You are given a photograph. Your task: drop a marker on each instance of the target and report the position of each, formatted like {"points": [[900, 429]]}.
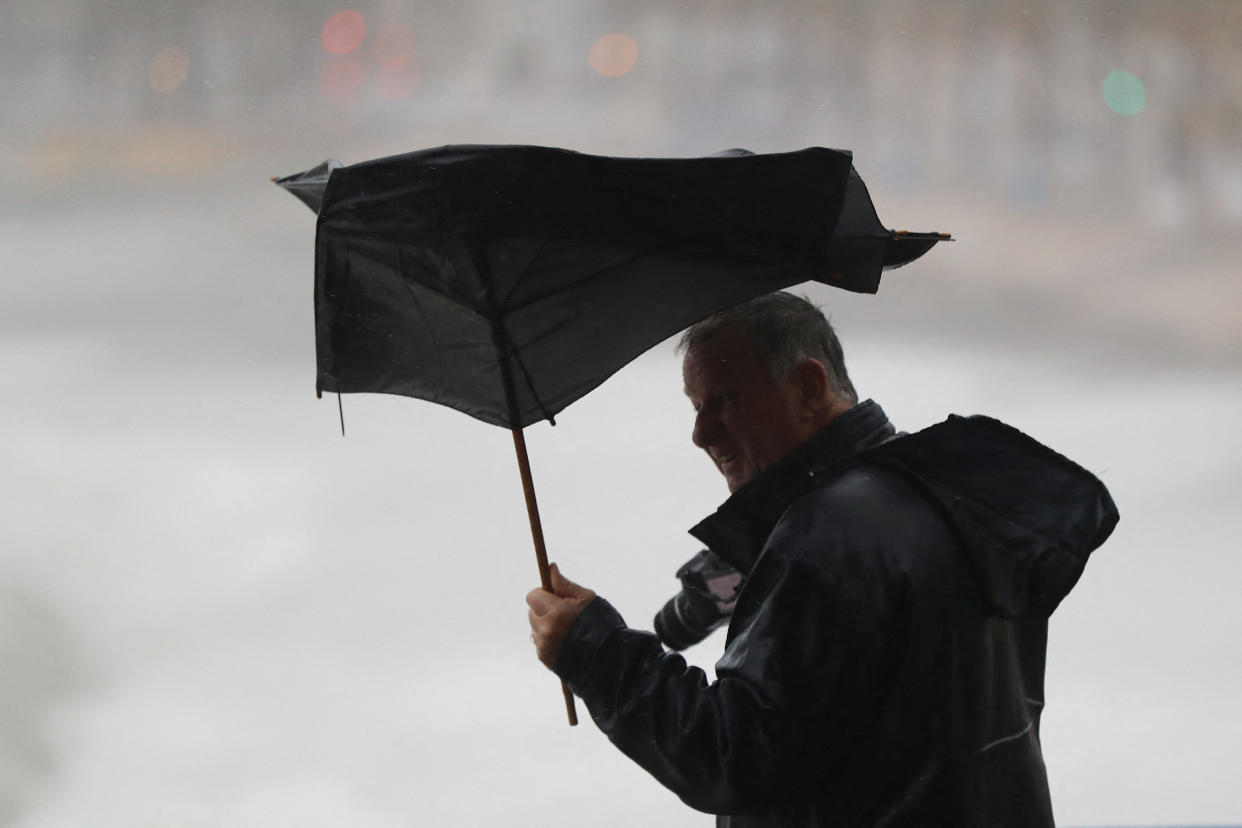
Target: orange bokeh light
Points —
{"points": [[613, 54], [340, 78], [343, 32], [393, 47], [168, 69]]}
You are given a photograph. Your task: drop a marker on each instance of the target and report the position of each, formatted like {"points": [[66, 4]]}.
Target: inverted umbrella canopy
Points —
{"points": [[508, 281]]}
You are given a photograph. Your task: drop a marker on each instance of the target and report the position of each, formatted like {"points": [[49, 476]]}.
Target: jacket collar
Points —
{"points": [[738, 529]]}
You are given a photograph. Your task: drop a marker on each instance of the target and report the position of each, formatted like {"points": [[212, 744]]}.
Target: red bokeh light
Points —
{"points": [[393, 47], [340, 78], [343, 32]]}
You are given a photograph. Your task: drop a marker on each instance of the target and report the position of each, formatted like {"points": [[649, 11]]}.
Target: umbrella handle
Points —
{"points": [[541, 552]]}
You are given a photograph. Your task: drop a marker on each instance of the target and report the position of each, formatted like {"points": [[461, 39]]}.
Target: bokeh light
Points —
{"points": [[1124, 93], [340, 78], [168, 69], [613, 54], [393, 47], [343, 32]]}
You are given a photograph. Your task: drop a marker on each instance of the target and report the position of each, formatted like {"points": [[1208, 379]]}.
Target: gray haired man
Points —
{"points": [[884, 660]]}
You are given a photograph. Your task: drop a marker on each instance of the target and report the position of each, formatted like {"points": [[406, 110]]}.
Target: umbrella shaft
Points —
{"points": [[532, 509], [541, 552]]}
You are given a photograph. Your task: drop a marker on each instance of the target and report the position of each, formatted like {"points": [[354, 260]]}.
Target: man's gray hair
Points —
{"points": [[782, 329]]}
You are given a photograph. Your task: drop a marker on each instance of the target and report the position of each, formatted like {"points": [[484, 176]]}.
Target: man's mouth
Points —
{"points": [[732, 469]]}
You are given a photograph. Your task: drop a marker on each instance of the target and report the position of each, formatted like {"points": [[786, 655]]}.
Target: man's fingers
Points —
{"points": [[547, 627], [540, 601], [552, 614], [566, 588], [563, 586]]}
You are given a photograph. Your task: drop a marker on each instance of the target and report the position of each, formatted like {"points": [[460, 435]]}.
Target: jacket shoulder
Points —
{"points": [[863, 511]]}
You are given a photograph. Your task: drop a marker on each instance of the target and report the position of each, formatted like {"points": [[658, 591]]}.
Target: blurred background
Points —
{"points": [[215, 611]]}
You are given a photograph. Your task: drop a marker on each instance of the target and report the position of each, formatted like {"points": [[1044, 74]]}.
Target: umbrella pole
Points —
{"points": [[541, 552]]}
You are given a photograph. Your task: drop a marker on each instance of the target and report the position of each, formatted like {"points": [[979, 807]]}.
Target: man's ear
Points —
{"points": [[813, 393]]}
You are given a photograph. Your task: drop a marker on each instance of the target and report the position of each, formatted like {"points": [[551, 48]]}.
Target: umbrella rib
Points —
{"points": [[457, 299], [511, 350], [506, 347], [512, 346], [552, 331], [534, 300], [530, 263], [426, 320]]}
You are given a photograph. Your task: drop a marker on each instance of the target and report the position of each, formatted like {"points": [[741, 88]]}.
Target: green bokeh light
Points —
{"points": [[1124, 93]]}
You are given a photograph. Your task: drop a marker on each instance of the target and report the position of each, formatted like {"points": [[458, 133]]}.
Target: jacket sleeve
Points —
{"points": [[817, 641]]}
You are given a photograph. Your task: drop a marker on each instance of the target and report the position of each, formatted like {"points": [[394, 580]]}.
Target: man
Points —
{"points": [[884, 661]]}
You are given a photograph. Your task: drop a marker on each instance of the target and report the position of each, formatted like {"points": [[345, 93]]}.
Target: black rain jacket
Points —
{"points": [[884, 664]]}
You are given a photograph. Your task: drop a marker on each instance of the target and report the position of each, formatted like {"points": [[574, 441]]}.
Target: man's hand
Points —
{"points": [[551, 615]]}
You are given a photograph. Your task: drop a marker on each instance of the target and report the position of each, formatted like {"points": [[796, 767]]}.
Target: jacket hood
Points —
{"points": [[1027, 517]]}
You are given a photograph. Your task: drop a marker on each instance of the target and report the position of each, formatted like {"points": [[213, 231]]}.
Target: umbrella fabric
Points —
{"points": [[308, 186], [507, 282]]}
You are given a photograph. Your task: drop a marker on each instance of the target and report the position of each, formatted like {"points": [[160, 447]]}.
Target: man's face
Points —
{"points": [[746, 420]]}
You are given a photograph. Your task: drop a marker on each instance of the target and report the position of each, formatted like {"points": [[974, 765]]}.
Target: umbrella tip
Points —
{"points": [[936, 234]]}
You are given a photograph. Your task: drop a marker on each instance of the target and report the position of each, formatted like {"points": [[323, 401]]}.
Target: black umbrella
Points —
{"points": [[508, 281]]}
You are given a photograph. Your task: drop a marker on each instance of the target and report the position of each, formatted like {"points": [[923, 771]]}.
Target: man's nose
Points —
{"points": [[705, 426]]}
